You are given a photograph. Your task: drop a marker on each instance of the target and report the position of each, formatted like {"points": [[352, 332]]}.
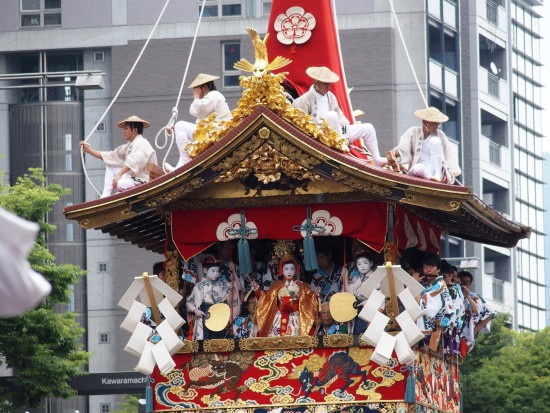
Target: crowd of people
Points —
{"points": [[277, 298], [422, 151]]}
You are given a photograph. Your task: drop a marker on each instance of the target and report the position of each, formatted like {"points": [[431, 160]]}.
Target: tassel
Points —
{"points": [[410, 396], [242, 232], [148, 396], [310, 255], [245, 266]]}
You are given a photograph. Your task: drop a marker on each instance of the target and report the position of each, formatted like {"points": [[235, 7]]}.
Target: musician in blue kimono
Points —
{"points": [[245, 325], [212, 290], [327, 280], [435, 300], [478, 313]]}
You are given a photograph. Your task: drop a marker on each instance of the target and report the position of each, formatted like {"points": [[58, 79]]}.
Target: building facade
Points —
{"points": [[478, 61]]}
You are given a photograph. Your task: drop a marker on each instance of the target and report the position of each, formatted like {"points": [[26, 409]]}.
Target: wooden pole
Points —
{"points": [[151, 295], [393, 294]]}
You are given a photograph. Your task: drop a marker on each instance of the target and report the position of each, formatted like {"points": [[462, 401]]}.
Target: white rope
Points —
{"points": [[117, 94], [407, 53], [174, 116]]}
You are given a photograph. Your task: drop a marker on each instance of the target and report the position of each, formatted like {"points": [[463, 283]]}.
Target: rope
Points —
{"points": [[174, 116], [407, 53], [118, 93]]}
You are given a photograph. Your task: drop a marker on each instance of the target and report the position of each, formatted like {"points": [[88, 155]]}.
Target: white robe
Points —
{"points": [[135, 155], [410, 150], [212, 102], [326, 107]]}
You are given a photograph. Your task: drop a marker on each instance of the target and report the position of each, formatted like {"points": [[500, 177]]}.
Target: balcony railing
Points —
{"points": [[492, 12], [493, 86], [494, 153], [498, 290]]}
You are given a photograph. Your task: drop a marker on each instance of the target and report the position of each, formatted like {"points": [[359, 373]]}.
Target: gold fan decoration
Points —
{"points": [[265, 90]]}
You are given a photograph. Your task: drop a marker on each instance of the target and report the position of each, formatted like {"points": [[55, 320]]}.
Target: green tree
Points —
{"points": [[42, 346], [129, 405], [507, 371]]}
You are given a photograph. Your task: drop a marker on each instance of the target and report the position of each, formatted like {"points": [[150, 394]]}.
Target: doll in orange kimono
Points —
{"points": [[289, 307]]}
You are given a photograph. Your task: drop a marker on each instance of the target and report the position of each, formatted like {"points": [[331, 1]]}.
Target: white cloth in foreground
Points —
{"points": [[21, 288]]}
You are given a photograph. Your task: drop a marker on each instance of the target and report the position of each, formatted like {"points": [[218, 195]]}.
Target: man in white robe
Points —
{"points": [[126, 166], [320, 103], [206, 100], [426, 150]]}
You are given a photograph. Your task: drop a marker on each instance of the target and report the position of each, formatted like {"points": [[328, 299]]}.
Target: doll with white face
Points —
{"points": [[364, 265], [358, 274], [289, 307]]}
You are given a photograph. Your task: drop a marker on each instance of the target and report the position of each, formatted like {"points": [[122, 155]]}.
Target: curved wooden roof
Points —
{"points": [[220, 178]]}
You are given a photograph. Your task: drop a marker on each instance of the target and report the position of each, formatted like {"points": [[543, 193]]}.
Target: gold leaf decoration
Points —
{"points": [[262, 91]]}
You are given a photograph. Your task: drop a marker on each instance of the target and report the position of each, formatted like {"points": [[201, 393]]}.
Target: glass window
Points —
{"points": [[70, 232], [105, 408], [434, 8], [434, 42], [220, 8], [231, 10], [28, 5], [266, 8], [52, 4], [209, 11], [449, 14], [231, 55], [40, 13]]}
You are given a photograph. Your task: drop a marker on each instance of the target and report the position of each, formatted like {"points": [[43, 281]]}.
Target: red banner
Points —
{"points": [[411, 231], [194, 231], [255, 379], [305, 32]]}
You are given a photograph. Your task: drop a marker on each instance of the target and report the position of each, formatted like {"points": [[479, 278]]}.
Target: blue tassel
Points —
{"points": [[410, 396], [310, 255], [148, 396], [245, 266]]}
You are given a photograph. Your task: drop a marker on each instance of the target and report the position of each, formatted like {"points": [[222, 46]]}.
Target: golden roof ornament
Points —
{"points": [[261, 64], [262, 89]]}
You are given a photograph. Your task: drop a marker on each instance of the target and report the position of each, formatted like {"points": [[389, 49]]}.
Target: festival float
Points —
{"points": [[270, 174]]}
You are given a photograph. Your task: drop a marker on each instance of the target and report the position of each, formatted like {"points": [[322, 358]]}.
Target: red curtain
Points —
{"points": [[194, 231], [411, 231]]}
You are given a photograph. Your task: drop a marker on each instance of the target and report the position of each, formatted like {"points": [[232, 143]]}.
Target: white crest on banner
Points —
{"points": [[421, 237], [332, 225], [412, 239], [294, 26], [434, 240], [234, 222]]}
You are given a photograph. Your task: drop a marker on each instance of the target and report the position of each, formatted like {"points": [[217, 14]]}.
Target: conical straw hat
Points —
{"points": [[133, 118], [201, 79], [322, 74], [431, 114]]}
